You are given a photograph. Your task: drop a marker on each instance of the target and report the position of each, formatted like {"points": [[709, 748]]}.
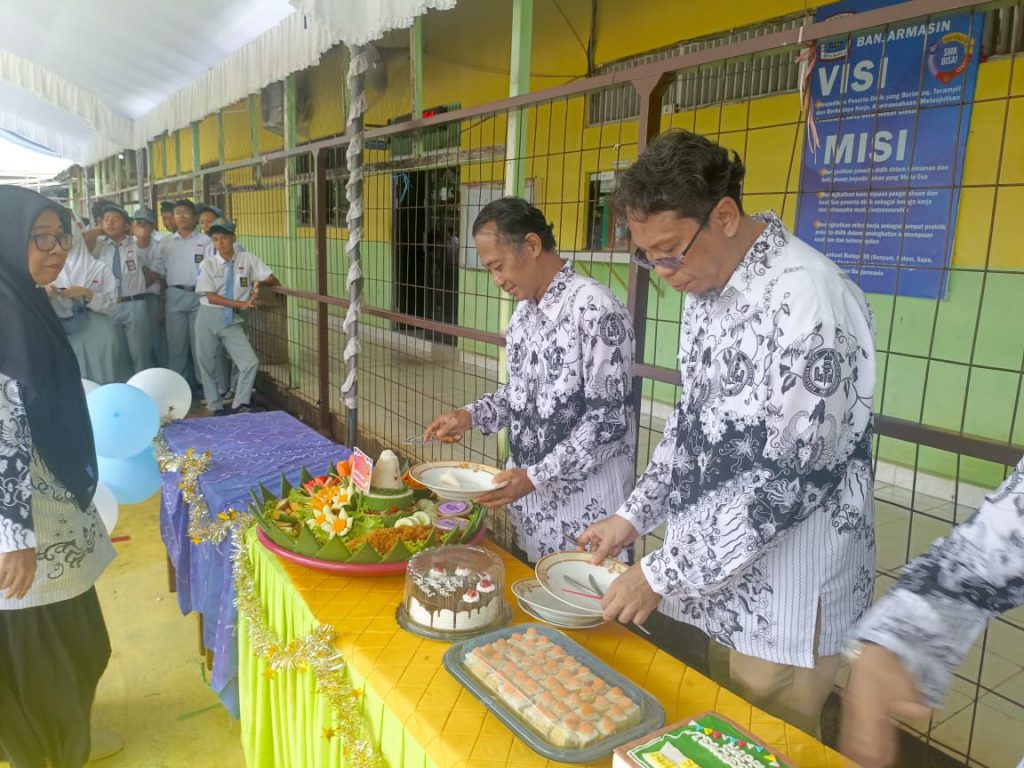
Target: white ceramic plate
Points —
{"points": [[456, 480], [566, 575], [556, 622], [531, 593]]}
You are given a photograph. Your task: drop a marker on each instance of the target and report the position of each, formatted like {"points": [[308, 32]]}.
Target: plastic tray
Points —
{"points": [[652, 716]]}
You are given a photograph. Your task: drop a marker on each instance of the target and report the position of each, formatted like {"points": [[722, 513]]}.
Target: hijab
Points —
{"points": [[35, 351]]}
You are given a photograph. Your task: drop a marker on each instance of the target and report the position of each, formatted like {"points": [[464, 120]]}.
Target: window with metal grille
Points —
{"points": [[605, 230], [1003, 33], [758, 76], [215, 192], [304, 198], [725, 81], [431, 139], [337, 192], [336, 175]]}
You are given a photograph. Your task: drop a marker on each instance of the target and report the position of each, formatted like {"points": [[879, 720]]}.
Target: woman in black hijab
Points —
{"points": [[53, 546]]}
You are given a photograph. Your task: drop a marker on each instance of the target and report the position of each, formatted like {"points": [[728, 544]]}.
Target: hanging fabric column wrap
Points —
{"points": [[357, 67]]}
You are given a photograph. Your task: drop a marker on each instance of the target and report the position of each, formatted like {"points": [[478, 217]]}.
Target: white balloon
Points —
{"points": [[107, 506], [169, 390], [89, 386]]}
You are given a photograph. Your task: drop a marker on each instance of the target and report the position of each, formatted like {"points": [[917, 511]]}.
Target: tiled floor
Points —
{"points": [[154, 692], [984, 713]]}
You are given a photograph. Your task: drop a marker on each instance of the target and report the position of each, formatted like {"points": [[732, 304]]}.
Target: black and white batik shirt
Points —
{"points": [[763, 476], [945, 597], [567, 407], [37, 512]]}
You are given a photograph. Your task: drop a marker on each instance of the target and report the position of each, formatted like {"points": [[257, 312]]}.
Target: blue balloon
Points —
{"points": [[133, 479], [124, 420]]}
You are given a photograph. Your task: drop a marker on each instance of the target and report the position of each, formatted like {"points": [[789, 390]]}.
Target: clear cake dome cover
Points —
{"points": [[455, 589]]}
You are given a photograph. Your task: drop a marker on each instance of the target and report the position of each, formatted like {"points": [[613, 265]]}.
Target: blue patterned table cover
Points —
{"points": [[248, 450]]}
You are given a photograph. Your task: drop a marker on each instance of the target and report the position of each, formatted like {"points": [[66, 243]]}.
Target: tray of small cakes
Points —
{"points": [[560, 699]]}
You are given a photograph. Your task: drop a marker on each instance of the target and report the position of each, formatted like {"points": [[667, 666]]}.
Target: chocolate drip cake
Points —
{"points": [[454, 589]]}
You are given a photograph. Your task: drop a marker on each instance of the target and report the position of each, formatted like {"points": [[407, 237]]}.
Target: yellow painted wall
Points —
{"points": [[269, 142], [327, 83], [156, 157], [185, 138], [396, 99], [208, 141], [625, 24], [466, 55], [237, 132]]}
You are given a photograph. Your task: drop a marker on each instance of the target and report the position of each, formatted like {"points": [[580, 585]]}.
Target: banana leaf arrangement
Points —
{"points": [[328, 518]]}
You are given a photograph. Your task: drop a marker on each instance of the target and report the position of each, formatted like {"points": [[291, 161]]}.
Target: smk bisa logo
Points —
{"points": [[822, 373]]}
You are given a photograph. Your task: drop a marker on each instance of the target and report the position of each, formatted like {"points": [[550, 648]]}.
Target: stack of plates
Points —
{"points": [[567, 591], [542, 605]]}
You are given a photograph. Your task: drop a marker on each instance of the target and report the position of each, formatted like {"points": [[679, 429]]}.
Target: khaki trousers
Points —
{"points": [[794, 694]]}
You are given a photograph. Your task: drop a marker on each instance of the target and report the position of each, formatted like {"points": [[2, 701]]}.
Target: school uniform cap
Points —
{"points": [[116, 209], [203, 208], [222, 225], [145, 214]]}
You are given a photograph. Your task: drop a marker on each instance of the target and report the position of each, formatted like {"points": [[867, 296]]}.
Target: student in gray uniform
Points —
{"points": [[227, 374], [228, 287], [206, 215], [84, 295], [177, 262], [167, 217], [146, 242], [131, 318]]}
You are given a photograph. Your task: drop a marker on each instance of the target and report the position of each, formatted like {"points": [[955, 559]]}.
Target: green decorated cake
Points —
{"points": [[706, 741], [388, 493]]}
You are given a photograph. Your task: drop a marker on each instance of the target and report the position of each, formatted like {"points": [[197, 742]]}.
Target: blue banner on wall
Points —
{"points": [[892, 108]]}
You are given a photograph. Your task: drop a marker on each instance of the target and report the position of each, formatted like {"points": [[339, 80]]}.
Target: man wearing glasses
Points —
{"points": [[763, 476]]}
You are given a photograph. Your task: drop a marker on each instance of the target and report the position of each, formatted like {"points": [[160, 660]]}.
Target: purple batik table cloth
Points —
{"points": [[247, 450]]}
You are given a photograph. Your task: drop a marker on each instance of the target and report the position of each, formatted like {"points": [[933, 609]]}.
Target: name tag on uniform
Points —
{"points": [[243, 282], [199, 258], [130, 264]]}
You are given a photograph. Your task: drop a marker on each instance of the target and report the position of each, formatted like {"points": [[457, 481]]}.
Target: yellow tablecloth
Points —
{"points": [[416, 711]]}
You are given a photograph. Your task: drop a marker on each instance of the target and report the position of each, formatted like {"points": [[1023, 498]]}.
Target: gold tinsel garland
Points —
{"points": [[191, 466], [315, 651]]}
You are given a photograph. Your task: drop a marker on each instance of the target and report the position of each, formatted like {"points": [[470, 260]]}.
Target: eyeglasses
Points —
{"points": [[670, 262], [49, 242]]}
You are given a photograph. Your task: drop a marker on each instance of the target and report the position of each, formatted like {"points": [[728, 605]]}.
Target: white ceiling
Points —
{"points": [[133, 54], [88, 78]]}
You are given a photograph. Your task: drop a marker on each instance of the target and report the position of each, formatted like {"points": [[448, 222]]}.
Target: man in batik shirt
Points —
{"points": [[567, 401], [905, 649], [763, 476]]}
